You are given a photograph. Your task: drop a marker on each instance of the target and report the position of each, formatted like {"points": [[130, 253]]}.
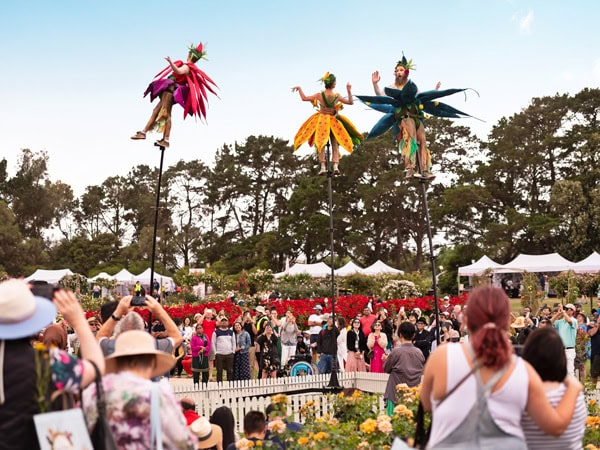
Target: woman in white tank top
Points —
{"points": [[477, 414]]}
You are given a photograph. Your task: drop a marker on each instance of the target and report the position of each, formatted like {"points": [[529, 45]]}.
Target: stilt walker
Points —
{"points": [[327, 124]]}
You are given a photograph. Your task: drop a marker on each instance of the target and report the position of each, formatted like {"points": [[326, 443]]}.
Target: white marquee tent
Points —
{"points": [[379, 267], [144, 278], [103, 276], [478, 267], [551, 262], [591, 264], [49, 276], [315, 270], [124, 276], [348, 269]]}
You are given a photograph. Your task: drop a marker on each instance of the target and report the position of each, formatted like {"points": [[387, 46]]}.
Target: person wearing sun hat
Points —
{"points": [[127, 391], [23, 315], [209, 435]]}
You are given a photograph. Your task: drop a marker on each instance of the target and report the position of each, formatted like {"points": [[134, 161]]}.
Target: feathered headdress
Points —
{"points": [[408, 65], [328, 78], [197, 52]]}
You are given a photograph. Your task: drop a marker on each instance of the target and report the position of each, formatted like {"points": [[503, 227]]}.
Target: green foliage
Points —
{"points": [[566, 286], [302, 286], [533, 296], [359, 284]]}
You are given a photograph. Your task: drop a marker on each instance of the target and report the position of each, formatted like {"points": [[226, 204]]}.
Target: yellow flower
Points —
{"points": [[333, 422], [592, 421], [356, 394], [321, 435], [420, 106], [39, 346], [324, 77], [276, 426], [436, 103], [592, 402], [303, 440], [363, 444], [402, 387], [402, 410], [384, 427], [259, 443], [279, 398], [244, 444], [368, 426]]}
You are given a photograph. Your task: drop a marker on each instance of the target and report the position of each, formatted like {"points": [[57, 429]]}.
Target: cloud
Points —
{"points": [[525, 22]]}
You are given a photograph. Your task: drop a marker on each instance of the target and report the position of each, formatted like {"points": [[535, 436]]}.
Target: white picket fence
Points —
{"points": [[254, 395]]}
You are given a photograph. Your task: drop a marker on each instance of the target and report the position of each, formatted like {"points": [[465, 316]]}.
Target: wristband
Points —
{"points": [[115, 318]]}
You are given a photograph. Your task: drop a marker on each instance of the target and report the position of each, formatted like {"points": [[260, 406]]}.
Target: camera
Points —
{"points": [[43, 289], [138, 300]]}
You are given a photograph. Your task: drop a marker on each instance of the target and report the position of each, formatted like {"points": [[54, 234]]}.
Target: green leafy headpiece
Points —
{"points": [[407, 64], [197, 52], [328, 78]]}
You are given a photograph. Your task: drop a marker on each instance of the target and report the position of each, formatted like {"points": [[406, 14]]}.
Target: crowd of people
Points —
{"points": [[521, 401]]}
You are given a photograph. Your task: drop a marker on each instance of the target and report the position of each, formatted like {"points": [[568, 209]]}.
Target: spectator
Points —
{"points": [[200, 349], [301, 346], [566, 325], [479, 405], [289, 331], [404, 364], [582, 345], [595, 352], [209, 325], [357, 347], [327, 347], [223, 417], [241, 362], [268, 359], [21, 316], [277, 412], [250, 328], [224, 343], [423, 337], [342, 348], [188, 407], [209, 436], [315, 326], [127, 389], [261, 319], [366, 321], [377, 342], [55, 336], [544, 351], [255, 428]]}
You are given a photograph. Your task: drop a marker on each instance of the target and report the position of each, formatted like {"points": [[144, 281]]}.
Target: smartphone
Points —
{"points": [[44, 290], [138, 300]]}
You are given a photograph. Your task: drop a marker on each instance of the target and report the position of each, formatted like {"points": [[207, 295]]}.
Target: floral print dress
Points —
{"points": [[128, 412]]}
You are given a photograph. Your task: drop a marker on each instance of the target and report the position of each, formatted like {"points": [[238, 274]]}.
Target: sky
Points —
{"points": [[74, 72]]}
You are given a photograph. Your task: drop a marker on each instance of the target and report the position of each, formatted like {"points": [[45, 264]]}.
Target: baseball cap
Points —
{"points": [[570, 306], [318, 307]]}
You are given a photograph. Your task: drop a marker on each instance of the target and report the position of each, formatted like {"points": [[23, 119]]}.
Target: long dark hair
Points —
{"points": [[544, 350], [223, 417]]}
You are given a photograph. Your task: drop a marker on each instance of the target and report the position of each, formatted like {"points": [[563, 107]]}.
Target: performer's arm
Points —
{"points": [[349, 100], [306, 98], [183, 70], [375, 79]]}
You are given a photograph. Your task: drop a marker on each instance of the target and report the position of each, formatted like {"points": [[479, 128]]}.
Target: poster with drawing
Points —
{"points": [[62, 430]]}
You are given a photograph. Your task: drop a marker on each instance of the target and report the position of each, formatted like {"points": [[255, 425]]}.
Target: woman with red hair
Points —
{"points": [[478, 391]]}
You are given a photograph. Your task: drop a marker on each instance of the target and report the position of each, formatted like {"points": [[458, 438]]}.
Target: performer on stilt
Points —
{"points": [[405, 110], [327, 123], [182, 83]]}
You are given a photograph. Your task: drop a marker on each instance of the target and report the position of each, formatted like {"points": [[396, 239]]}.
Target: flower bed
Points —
{"points": [[348, 306]]}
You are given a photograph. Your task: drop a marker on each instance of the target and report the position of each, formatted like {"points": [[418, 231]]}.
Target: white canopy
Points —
{"points": [[551, 262], [315, 270], [144, 278], [124, 276], [103, 276], [348, 269], [478, 267], [591, 264], [49, 276], [379, 267]]}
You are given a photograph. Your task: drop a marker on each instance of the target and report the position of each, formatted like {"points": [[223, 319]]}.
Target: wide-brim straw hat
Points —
{"points": [[518, 323], [21, 313], [137, 342], [208, 434]]}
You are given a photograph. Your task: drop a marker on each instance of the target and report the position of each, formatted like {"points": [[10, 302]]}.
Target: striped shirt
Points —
{"points": [[570, 439]]}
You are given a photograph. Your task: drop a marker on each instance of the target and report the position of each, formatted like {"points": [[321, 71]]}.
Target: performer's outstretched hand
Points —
{"points": [[375, 77], [295, 88]]}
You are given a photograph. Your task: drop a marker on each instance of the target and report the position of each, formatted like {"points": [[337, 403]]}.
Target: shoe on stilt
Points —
{"points": [[162, 143], [427, 175], [336, 169], [138, 135], [410, 173], [323, 170]]}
